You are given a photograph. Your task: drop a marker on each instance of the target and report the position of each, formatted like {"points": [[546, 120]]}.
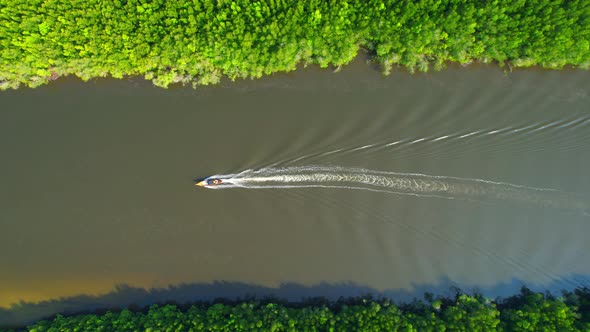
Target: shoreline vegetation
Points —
{"points": [[198, 42], [526, 311]]}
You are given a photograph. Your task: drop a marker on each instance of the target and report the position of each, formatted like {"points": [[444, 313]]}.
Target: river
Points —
{"points": [[97, 194]]}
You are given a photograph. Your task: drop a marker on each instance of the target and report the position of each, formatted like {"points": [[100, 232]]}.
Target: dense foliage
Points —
{"points": [[527, 311], [199, 41]]}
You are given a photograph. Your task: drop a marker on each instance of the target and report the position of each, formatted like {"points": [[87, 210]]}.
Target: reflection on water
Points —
{"points": [[97, 182]]}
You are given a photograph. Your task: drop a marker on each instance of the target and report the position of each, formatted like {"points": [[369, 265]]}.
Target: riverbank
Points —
{"points": [[526, 311], [199, 42]]}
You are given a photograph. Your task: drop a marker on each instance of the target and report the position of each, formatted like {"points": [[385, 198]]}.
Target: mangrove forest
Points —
{"points": [[526, 311], [200, 41]]}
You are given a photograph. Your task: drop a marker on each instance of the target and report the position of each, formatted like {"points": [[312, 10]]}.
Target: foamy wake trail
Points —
{"points": [[402, 183]]}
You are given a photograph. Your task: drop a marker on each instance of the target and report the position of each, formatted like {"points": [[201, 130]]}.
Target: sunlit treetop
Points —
{"points": [[198, 42]]}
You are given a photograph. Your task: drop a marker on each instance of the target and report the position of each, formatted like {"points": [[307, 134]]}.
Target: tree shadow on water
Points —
{"points": [[125, 295]]}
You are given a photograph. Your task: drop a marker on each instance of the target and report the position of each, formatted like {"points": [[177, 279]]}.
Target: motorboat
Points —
{"points": [[209, 182]]}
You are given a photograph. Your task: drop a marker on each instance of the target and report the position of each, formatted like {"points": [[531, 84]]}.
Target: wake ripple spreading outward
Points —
{"points": [[402, 183], [552, 128]]}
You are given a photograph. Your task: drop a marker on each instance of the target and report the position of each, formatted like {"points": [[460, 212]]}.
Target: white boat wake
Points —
{"points": [[401, 183]]}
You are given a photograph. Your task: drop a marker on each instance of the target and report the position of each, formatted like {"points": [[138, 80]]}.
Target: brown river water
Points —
{"points": [[336, 184]]}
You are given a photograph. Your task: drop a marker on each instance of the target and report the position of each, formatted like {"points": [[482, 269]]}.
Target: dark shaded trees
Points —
{"points": [[527, 311]]}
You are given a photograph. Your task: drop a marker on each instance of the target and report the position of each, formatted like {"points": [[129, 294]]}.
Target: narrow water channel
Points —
{"points": [[470, 177]]}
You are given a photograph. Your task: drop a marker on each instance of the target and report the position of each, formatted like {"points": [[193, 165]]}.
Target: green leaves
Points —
{"points": [[536, 312], [199, 41], [527, 311], [44, 28]]}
